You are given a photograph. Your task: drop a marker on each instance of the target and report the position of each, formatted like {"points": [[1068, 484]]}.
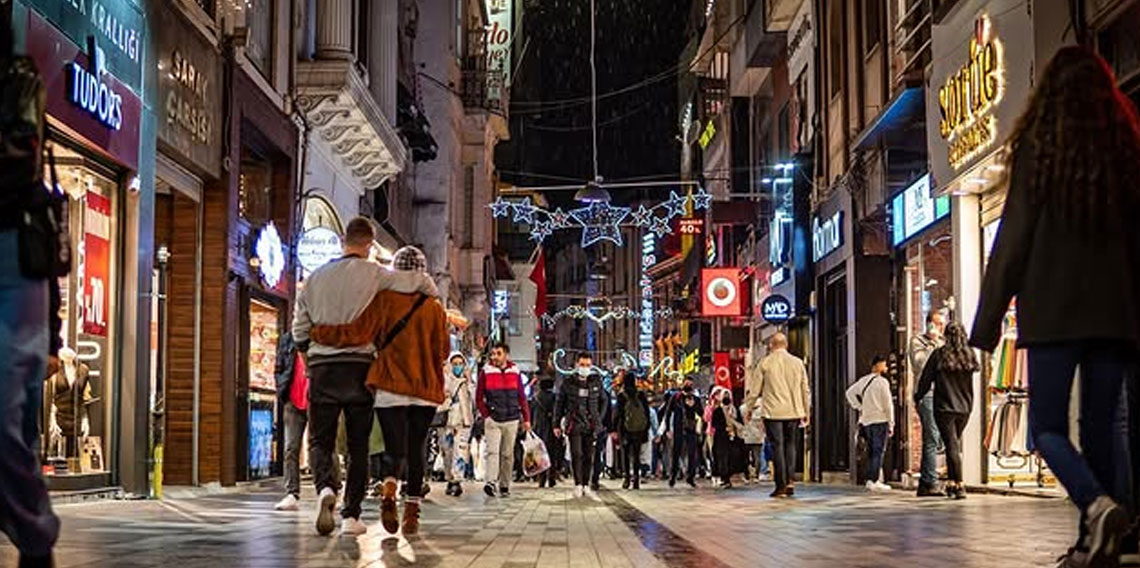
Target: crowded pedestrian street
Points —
{"points": [[824, 527]]}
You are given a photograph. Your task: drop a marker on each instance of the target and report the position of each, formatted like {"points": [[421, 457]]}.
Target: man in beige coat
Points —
{"points": [[780, 382]]}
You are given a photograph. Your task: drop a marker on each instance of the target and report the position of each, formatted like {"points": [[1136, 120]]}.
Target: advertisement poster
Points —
{"points": [[97, 263], [260, 442], [262, 347]]}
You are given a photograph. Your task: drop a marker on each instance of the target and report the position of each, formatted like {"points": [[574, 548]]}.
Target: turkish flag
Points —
{"points": [[538, 276]]}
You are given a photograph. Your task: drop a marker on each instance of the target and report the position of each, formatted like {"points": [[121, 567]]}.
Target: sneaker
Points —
{"points": [[672, 483], [930, 491], [505, 492], [579, 491], [625, 484], [352, 527], [288, 503], [790, 490], [692, 483], [591, 494], [411, 526], [458, 489], [883, 487], [1107, 524], [326, 502], [389, 517], [871, 486], [779, 493], [489, 489]]}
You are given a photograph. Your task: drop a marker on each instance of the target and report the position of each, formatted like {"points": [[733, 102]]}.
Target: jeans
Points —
{"points": [[500, 461], [1103, 367], [295, 423], [928, 474], [405, 430], [335, 389], [951, 425], [685, 443], [876, 445], [582, 454], [25, 509], [783, 435], [633, 462]]}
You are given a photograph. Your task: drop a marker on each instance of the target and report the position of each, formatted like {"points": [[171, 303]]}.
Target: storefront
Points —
{"points": [[94, 126], [985, 54], [189, 163], [923, 247]]}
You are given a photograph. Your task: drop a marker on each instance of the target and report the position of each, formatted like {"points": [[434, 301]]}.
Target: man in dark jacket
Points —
{"points": [[681, 415], [542, 415], [579, 403]]}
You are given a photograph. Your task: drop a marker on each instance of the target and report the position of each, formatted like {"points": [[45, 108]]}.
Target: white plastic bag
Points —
{"points": [[535, 457]]}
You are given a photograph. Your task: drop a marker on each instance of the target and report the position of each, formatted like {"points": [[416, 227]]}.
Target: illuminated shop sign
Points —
{"points": [[826, 235], [89, 91], [318, 247], [776, 309], [709, 134], [968, 96], [779, 247], [500, 303], [914, 210], [117, 25], [645, 334], [270, 258]]}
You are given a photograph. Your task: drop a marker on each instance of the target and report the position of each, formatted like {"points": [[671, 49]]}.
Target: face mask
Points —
{"points": [[726, 401], [583, 372], [457, 370]]}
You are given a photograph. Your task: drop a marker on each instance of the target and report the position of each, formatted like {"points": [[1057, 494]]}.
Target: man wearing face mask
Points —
{"points": [[920, 349], [682, 415], [578, 402], [456, 433]]}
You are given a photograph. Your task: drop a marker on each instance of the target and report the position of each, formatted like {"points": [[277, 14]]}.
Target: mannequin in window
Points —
{"points": [[68, 390]]}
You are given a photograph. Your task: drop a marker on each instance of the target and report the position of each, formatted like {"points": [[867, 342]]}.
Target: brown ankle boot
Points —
{"points": [[389, 517], [411, 518]]}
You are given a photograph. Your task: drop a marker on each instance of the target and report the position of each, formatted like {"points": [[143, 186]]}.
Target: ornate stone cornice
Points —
{"points": [[340, 108]]}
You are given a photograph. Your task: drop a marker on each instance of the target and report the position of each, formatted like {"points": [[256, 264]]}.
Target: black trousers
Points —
{"points": [[783, 434], [685, 443], [599, 456], [335, 389], [632, 461], [582, 457], [951, 425], [405, 431]]}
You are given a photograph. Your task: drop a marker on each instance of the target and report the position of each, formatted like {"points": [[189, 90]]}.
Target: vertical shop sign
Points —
{"points": [[97, 263], [499, 37], [645, 337]]}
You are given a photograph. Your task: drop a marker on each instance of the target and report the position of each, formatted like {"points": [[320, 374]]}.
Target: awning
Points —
{"points": [[891, 128]]}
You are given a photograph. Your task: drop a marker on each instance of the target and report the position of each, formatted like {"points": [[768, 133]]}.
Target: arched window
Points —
{"points": [[320, 213]]}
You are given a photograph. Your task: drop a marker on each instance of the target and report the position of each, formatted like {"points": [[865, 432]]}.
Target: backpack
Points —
{"points": [[635, 420]]}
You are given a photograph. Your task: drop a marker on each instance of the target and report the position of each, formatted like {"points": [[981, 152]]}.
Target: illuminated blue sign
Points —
{"points": [[913, 210], [88, 91]]}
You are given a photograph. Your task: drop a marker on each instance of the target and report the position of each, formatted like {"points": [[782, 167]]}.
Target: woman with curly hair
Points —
{"points": [[950, 372], [1069, 250]]}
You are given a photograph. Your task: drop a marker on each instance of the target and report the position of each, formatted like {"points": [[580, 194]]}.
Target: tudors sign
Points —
{"points": [[189, 92]]}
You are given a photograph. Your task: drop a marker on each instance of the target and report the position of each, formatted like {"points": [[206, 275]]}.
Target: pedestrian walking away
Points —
{"points": [[1068, 251], [455, 434], [293, 388], [920, 349], [542, 415], [780, 382], [501, 399], [30, 269], [682, 416], [411, 337], [950, 374], [870, 396], [632, 426], [339, 293], [579, 406]]}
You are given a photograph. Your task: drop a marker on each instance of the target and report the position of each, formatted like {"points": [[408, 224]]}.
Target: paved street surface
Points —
{"points": [[823, 527]]}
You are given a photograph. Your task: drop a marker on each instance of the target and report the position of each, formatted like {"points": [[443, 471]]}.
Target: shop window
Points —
{"points": [[78, 398], [259, 25], [835, 47], [872, 24], [255, 189]]}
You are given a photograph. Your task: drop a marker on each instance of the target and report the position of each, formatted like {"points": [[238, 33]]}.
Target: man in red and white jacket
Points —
{"points": [[500, 396]]}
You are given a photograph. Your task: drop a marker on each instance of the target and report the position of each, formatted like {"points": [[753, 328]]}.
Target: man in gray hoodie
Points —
{"points": [[337, 293]]}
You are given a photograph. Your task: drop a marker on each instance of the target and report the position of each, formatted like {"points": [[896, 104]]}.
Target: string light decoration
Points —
{"points": [[600, 317], [599, 220]]}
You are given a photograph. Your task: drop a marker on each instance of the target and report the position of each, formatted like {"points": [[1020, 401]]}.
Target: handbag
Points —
{"points": [[440, 419], [45, 251]]}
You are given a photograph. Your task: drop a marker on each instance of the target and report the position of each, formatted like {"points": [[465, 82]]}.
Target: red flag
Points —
{"points": [[538, 276]]}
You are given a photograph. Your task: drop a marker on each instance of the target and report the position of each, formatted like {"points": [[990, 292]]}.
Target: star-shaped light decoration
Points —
{"points": [[600, 221], [676, 204], [524, 212], [661, 226], [500, 208], [559, 219], [540, 230], [702, 199], [642, 217]]}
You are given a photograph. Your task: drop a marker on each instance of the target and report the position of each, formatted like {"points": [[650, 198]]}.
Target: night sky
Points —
{"points": [[550, 112]]}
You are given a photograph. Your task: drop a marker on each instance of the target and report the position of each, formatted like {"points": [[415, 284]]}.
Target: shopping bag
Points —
{"points": [[535, 457]]}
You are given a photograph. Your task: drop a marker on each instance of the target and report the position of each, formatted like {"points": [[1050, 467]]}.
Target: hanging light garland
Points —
{"points": [[600, 317], [599, 220]]}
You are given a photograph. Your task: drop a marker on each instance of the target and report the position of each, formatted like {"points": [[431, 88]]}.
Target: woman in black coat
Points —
{"points": [[631, 424], [1068, 249], [542, 424], [950, 372]]}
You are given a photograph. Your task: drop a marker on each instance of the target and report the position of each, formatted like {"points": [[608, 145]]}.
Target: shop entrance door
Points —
{"points": [[832, 429]]}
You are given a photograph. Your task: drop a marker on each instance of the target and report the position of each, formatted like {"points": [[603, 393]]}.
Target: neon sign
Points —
{"points": [[91, 93], [968, 96], [645, 334]]}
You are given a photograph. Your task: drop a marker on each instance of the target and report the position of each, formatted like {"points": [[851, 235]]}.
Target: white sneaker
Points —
{"points": [[326, 502], [352, 527], [579, 491], [883, 487], [289, 503], [591, 494], [872, 486]]}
